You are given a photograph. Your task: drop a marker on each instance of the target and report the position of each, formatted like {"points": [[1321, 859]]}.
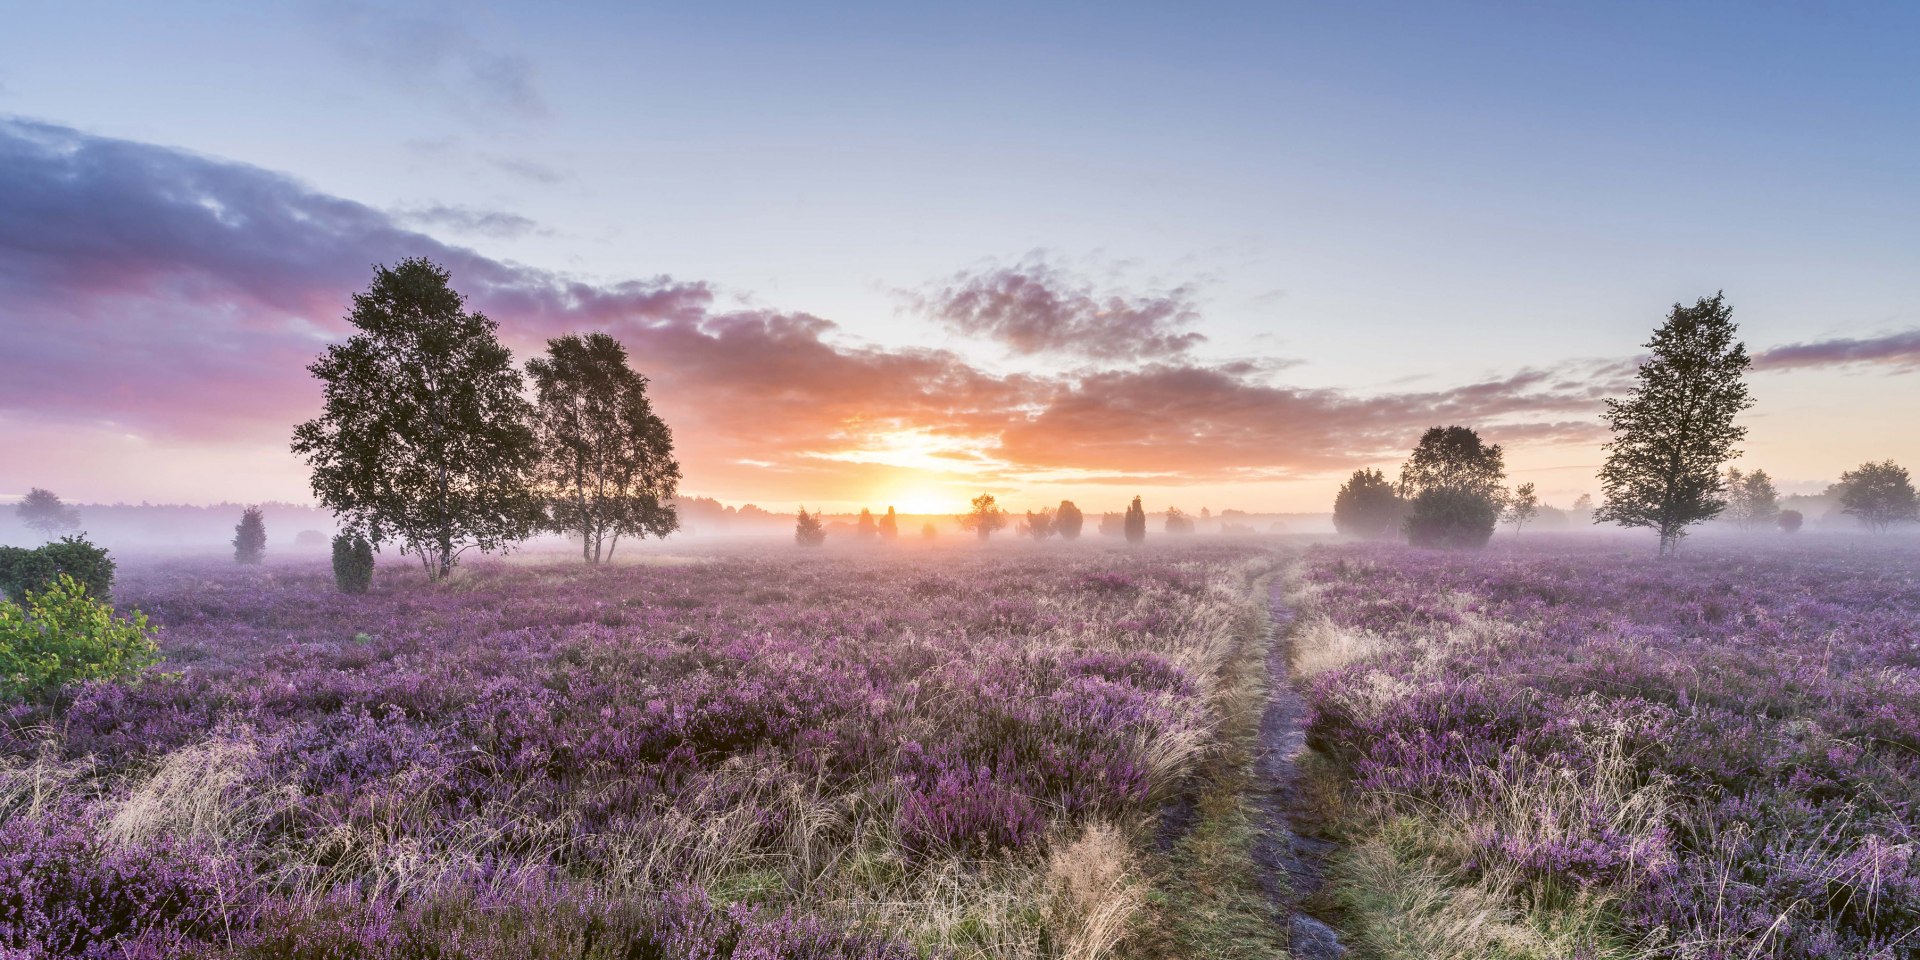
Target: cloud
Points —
{"points": [[156, 294], [1034, 308], [437, 53], [489, 223], [1898, 351]]}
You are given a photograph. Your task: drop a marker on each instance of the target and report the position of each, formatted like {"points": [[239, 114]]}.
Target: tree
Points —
{"points": [[1112, 524], [1040, 525], [1522, 506], [866, 529], [1367, 506], [889, 526], [1067, 521], [1583, 503], [1453, 481], [1880, 495], [42, 512], [1752, 501], [352, 562], [1177, 521], [1675, 429], [606, 467], [1136, 522], [250, 537], [985, 517], [807, 529], [424, 435], [1789, 521], [928, 531]]}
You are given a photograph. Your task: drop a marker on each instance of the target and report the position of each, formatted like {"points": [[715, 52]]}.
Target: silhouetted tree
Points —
{"points": [[1752, 501], [1113, 524], [1675, 429], [1522, 506], [43, 513], [424, 434], [1879, 495], [1136, 522], [985, 518], [865, 529], [352, 562], [1453, 481], [1367, 506], [889, 526], [250, 537], [1039, 525], [1067, 521], [606, 459], [807, 529], [1177, 521], [1789, 521]]}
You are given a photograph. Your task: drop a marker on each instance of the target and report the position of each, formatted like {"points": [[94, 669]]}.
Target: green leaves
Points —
{"points": [[62, 635]]}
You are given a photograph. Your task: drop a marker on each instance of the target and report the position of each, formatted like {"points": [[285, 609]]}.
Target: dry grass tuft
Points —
{"points": [[1091, 893]]}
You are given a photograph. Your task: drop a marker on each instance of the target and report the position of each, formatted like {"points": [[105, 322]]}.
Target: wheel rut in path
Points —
{"points": [[1291, 864]]}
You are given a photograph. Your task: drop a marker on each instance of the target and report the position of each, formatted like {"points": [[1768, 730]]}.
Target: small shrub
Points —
{"points": [[1790, 521], [352, 563], [23, 571], [250, 537], [62, 635], [309, 539]]}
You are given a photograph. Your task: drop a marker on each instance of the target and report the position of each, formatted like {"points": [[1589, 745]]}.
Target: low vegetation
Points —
{"points": [[819, 756], [1552, 751]]}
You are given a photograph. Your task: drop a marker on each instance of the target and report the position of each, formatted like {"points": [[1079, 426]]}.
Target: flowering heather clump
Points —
{"points": [[1720, 753], [733, 757]]}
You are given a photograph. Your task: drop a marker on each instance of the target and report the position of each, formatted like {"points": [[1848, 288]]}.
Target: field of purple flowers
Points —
{"points": [[1567, 749], [799, 757]]}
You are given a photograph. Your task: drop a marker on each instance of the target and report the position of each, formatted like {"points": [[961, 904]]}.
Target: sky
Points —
{"points": [[1217, 255]]}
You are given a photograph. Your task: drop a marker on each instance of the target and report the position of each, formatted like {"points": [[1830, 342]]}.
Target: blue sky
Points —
{"points": [[1374, 199]]}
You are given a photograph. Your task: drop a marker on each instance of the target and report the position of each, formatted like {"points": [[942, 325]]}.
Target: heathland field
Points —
{"points": [[1555, 747], [795, 756]]}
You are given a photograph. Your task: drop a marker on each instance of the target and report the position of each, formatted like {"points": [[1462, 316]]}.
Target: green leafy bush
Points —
{"points": [[63, 635], [1454, 519], [352, 563], [23, 571]]}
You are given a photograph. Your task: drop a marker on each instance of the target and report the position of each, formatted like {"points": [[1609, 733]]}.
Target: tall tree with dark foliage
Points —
{"points": [[1675, 430], [606, 466], [1453, 480], [424, 436]]}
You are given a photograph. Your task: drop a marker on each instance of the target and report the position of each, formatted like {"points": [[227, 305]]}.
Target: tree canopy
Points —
{"points": [[1453, 480], [1367, 506], [44, 513], [1136, 522], [1675, 429], [1067, 521], [1879, 495], [985, 518], [424, 435], [606, 467]]}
